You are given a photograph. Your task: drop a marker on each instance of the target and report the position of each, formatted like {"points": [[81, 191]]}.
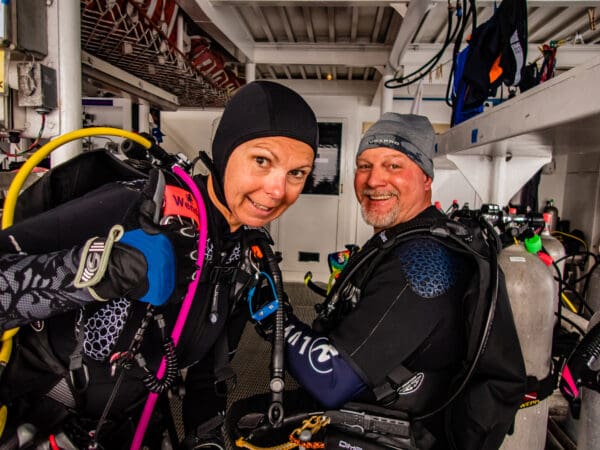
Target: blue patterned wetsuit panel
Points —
{"points": [[429, 267]]}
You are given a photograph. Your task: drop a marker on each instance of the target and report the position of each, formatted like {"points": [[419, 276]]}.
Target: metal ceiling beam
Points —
{"points": [[377, 25], [414, 56], [286, 24], [331, 24], [552, 26], [288, 74], [100, 70], [537, 18], [339, 54], [310, 32], [223, 24], [580, 25], [354, 27], [334, 87], [264, 23]]}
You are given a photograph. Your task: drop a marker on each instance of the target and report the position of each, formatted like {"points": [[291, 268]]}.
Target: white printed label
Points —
{"points": [[517, 259]]}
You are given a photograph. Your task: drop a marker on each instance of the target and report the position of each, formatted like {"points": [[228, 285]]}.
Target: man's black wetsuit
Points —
{"points": [[408, 313]]}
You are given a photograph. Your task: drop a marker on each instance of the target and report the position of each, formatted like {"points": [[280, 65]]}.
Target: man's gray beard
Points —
{"points": [[378, 220]]}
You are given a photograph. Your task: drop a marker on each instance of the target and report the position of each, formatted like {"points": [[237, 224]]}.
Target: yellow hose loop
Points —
{"points": [[3, 418], [17, 183], [45, 150]]}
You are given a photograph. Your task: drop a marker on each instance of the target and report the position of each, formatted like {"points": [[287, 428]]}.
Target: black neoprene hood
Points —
{"points": [[262, 109]]}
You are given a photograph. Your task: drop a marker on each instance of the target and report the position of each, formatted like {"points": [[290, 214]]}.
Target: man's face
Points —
{"points": [[264, 176], [390, 187]]}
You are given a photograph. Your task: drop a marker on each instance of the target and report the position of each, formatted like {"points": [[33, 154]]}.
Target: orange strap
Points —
{"points": [[496, 70], [179, 202]]}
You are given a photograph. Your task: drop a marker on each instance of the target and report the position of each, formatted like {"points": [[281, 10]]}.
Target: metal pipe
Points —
{"points": [[69, 76], [250, 72]]}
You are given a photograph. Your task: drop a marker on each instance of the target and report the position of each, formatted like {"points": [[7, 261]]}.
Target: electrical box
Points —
{"points": [[37, 86], [24, 27]]}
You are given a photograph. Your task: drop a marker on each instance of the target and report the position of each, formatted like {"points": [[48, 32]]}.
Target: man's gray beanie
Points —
{"points": [[411, 134]]}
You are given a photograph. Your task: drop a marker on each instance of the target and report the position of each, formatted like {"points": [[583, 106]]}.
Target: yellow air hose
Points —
{"points": [[17, 183], [11, 202]]}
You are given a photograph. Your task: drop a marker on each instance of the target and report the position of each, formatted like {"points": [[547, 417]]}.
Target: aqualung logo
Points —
{"points": [[411, 385], [320, 354], [348, 446]]}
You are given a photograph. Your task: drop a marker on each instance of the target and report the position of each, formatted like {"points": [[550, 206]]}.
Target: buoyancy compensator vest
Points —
{"points": [[487, 391], [73, 202]]}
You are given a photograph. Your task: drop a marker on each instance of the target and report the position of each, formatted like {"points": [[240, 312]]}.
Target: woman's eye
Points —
{"points": [[395, 166], [298, 173], [261, 161]]}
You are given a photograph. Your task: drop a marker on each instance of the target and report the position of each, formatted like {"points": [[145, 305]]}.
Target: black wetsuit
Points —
{"points": [[408, 313], [39, 285]]}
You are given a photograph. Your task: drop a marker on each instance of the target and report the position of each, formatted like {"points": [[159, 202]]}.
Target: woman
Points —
{"points": [[263, 151]]}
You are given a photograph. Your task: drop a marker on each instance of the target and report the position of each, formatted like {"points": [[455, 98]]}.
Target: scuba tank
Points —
{"points": [[532, 294], [553, 246], [553, 211]]}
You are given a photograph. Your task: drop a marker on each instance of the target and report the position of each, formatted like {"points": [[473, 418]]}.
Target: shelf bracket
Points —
{"points": [[497, 178]]}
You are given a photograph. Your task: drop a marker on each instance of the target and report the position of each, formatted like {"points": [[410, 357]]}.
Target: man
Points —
{"points": [[392, 331]]}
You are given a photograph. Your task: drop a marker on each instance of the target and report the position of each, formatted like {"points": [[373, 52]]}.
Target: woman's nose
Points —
{"points": [[275, 185]]}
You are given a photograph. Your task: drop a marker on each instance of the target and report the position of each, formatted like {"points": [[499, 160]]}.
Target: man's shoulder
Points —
{"points": [[430, 267]]}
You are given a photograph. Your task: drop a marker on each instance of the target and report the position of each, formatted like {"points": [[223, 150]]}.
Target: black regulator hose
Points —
{"points": [[277, 383], [137, 152], [577, 371]]}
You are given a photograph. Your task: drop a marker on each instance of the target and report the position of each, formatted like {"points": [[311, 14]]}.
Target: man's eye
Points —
{"points": [[362, 166]]}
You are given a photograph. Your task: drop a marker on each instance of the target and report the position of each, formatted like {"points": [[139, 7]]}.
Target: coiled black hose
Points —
{"points": [[150, 380]]}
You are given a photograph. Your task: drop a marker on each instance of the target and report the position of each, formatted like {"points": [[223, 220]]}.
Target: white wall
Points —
{"points": [[582, 196], [190, 130], [552, 183]]}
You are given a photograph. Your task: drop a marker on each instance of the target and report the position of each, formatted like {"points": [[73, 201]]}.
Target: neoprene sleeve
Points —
{"points": [[318, 366], [35, 287]]}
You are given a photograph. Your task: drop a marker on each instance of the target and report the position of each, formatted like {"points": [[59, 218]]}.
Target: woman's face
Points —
{"points": [[264, 177]]}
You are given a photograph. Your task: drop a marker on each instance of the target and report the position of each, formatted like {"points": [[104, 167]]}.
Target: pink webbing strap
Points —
{"points": [[185, 307]]}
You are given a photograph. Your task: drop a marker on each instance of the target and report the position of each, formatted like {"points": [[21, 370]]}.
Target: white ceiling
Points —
{"points": [[340, 46]]}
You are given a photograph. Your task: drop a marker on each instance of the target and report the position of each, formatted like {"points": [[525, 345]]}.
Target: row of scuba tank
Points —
{"points": [[533, 263]]}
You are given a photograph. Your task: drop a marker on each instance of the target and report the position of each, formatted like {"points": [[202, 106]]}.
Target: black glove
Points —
{"points": [[153, 263]]}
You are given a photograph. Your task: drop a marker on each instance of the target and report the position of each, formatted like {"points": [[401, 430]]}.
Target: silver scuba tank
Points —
{"points": [[556, 251], [532, 294], [553, 246], [551, 209]]}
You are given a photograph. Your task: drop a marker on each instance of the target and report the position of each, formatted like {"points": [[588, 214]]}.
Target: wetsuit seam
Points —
{"points": [[379, 321]]}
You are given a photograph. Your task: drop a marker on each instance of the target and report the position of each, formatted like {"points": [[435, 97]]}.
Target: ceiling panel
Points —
{"points": [[343, 41]]}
